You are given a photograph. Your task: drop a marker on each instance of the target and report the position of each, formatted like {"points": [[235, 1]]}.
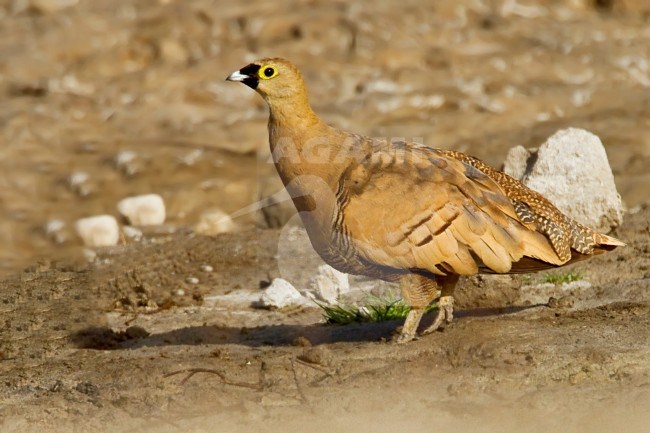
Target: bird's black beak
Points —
{"points": [[247, 75]]}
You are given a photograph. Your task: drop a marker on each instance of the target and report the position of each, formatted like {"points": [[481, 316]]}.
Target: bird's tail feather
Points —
{"points": [[605, 241]]}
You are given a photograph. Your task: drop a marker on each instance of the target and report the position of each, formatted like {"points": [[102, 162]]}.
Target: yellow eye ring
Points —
{"points": [[267, 72]]}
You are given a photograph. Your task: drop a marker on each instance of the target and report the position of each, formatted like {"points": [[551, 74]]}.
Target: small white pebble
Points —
{"points": [[179, 292], [124, 157], [191, 158], [143, 210], [206, 268], [79, 183], [53, 226], [192, 280], [98, 231], [128, 162], [77, 178], [280, 294]]}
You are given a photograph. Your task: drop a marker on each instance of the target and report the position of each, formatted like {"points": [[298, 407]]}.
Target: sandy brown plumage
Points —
{"points": [[405, 212]]}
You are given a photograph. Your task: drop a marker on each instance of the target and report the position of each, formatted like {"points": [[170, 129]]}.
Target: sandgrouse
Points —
{"points": [[404, 212]]}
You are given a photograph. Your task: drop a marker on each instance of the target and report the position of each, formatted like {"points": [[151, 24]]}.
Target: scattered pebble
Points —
{"points": [[70, 84], [128, 162], [192, 157], [580, 98], [179, 292], [192, 280], [206, 268], [143, 210], [98, 231], [280, 294], [79, 183], [55, 230]]}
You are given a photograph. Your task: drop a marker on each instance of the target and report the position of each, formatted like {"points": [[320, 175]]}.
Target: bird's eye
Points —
{"points": [[268, 72]]}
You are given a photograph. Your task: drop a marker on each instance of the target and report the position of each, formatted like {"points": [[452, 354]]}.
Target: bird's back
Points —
{"points": [[446, 212]]}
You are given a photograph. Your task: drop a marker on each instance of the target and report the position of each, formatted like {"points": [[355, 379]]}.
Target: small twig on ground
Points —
{"points": [[193, 371], [298, 386]]}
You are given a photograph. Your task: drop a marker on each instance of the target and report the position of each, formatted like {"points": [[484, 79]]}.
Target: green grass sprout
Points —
{"points": [[375, 310], [562, 277]]}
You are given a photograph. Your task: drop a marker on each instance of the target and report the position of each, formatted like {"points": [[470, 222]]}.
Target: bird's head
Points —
{"points": [[273, 78]]}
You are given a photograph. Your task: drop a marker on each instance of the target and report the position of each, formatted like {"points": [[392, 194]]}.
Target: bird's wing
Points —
{"points": [[421, 209]]}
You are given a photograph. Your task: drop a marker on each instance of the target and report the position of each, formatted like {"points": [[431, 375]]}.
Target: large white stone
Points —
{"points": [[330, 284], [571, 170], [143, 210], [281, 294], [98, 231]]}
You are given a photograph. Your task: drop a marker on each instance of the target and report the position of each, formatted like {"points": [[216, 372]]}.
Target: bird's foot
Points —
{"points": [[410, 326], [445, 314], [402, 338]]}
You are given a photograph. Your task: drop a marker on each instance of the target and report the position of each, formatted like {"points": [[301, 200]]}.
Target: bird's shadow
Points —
{"points": [[104, 338]]}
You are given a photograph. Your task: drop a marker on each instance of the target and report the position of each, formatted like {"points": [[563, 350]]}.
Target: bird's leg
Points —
{"points": [[445, 303], [410, 325], [418, 292]]}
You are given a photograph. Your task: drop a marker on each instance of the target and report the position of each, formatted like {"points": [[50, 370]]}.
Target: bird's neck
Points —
{"points": [[309, 155], [293, 108], [302, 144]]}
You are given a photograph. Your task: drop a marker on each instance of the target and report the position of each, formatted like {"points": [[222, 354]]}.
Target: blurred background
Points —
{"points": [[104, 99]]}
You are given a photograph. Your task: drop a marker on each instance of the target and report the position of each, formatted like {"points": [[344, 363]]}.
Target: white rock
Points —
{"points": [[206, 268], [143, 210], [128, 162], [79, 182], [215, 221], [572, 171], [55, 229], [98, 231], [330, 284], [53, 226], [280, 294]]}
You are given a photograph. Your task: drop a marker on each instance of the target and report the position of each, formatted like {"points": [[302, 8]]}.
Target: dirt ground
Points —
{"points": [[101, 100]]}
